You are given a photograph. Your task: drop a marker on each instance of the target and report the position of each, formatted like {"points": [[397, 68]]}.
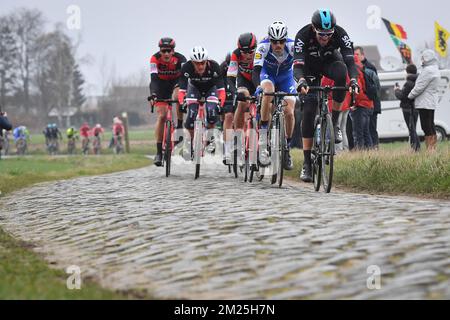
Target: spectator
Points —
{"points": [[376, 102], [342, 123], [360, 113], [4, 125], [426, 95], [409, 112]]}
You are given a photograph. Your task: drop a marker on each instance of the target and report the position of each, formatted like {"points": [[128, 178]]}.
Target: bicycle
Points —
{"points": [[85, 146], [97, 145], [278, 140], [251, 138], [118, 145], [21, 146], [71, 145], [323, 151], [168, 135], [52, 147]]}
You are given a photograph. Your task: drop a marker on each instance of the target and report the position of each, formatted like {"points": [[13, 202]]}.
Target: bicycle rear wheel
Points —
{"points": [[235, 158], [275, 148], [328, 148], [168, 148]]}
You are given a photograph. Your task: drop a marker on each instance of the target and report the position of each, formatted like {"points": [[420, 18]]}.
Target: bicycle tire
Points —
{"points": [[328, 148], [274, 148], [168, 148], [282, 149], [235, 158], [198, 143], [316, 159]]}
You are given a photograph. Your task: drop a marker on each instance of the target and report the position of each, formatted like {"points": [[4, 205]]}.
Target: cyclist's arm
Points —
{"points": [[347, 52], [258, 63], [233, 70], [154, 78], [299, 54], [218, 82], [183, 81]]}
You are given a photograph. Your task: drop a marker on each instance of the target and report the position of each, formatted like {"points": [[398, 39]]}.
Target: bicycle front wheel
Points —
{"points": [[282, 149], [328, 148], [316, 157], [168, 148], [198, 146]]}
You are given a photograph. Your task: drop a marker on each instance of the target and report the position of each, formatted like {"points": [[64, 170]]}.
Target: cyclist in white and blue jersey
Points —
{"points": [[273, 72]]}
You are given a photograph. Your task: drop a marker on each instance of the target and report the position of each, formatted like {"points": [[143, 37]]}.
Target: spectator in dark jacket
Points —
{"points": [[410, 114], [4, 125], [359, 51]]}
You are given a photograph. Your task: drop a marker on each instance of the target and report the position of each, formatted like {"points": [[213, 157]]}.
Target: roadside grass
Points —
{"points": [[394, 169], [23, 273]]}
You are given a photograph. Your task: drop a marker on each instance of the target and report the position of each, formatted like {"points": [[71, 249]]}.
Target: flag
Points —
{"points": [[395, 30], [442, 36], [404, 49]]}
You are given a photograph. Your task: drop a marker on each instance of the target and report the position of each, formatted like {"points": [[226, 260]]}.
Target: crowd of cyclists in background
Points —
{"points": [[91, 138]]}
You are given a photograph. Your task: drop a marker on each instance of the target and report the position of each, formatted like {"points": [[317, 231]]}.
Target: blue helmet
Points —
{"points": [[324, 19], [54, 125], [49, 125]]}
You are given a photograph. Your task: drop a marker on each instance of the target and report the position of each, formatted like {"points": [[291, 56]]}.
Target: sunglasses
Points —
{"points": [[325, 34], [278, 41], [248, 51], [200, 63], [166, 50]]}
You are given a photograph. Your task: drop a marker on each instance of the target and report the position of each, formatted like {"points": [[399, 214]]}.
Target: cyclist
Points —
{"points": [[273, 72], [118, 130], [165, 70], [21, 134], [48, 134], [84, 134], [228, 109], [55, 134], [201, 78], [72, 135], [322, 48], [239, 76], [98, 132]]}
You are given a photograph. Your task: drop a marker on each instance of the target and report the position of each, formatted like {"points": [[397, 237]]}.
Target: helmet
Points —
{"points": [[278, 31], [323, 19], [54, 125], [167, 43], [116, 120], [199, 54], [98, 125], [247, 41]]}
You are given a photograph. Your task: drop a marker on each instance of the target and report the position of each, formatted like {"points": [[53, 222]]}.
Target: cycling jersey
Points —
{"points": [[98, 131], [71, 133], [229, 89], [118, 129], [211, 78], [310, 56], [164, 75], [20, 133], [84, 131], [239, 66], [274, 68]]}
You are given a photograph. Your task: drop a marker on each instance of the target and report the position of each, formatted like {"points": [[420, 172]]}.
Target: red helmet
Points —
{"points": [[247, 41], [167, 43]]}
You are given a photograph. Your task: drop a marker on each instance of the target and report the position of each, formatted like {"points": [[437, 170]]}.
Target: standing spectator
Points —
{"points": [[345, 110], [426, 95], [360, 113], [4, 125], [376, 101], [409, 112]]}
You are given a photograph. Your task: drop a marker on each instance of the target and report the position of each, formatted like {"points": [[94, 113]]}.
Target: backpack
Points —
{"points": [[372, 84]]}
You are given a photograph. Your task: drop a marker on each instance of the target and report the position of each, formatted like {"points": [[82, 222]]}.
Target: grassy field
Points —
{"points": [[25, 275], [394, 169]]}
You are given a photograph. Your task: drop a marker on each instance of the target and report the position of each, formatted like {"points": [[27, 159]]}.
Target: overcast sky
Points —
{"points": [[127, 32]]}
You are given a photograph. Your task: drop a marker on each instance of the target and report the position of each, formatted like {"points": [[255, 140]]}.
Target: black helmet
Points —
{"points": [[247, 41], [167, 43], [324, 19]]}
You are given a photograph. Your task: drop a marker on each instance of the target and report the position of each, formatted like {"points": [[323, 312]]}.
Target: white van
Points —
{"points": [[391, 124]]}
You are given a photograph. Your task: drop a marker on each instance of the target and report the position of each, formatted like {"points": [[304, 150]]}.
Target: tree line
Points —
{"points": [[39, 70]]}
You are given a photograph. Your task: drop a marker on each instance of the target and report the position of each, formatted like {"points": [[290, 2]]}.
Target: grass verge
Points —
{"points": [[23, 273]]}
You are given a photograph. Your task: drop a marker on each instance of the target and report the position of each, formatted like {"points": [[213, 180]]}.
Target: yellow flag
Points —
{"points": [[442, 36]]}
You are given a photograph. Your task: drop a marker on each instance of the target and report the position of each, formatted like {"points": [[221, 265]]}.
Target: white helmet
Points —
{"points": [[199, 54], [278, 31]]}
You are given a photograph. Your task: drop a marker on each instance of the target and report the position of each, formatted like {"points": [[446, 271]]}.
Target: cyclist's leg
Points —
{"points": [[247, 88], [180, 115], [192, 96], [337, 71], [268, 85], [287, 84], [228, 132]]}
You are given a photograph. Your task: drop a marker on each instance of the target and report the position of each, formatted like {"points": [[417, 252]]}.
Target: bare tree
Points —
{"points": [[8, 60], [28, 26]]}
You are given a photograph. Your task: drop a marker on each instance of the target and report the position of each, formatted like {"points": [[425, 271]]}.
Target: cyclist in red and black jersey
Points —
{"points": [[165, 70], [240, 74]]}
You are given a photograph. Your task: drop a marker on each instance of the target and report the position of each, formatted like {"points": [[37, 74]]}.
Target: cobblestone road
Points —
{"points": [[221, 238]]}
